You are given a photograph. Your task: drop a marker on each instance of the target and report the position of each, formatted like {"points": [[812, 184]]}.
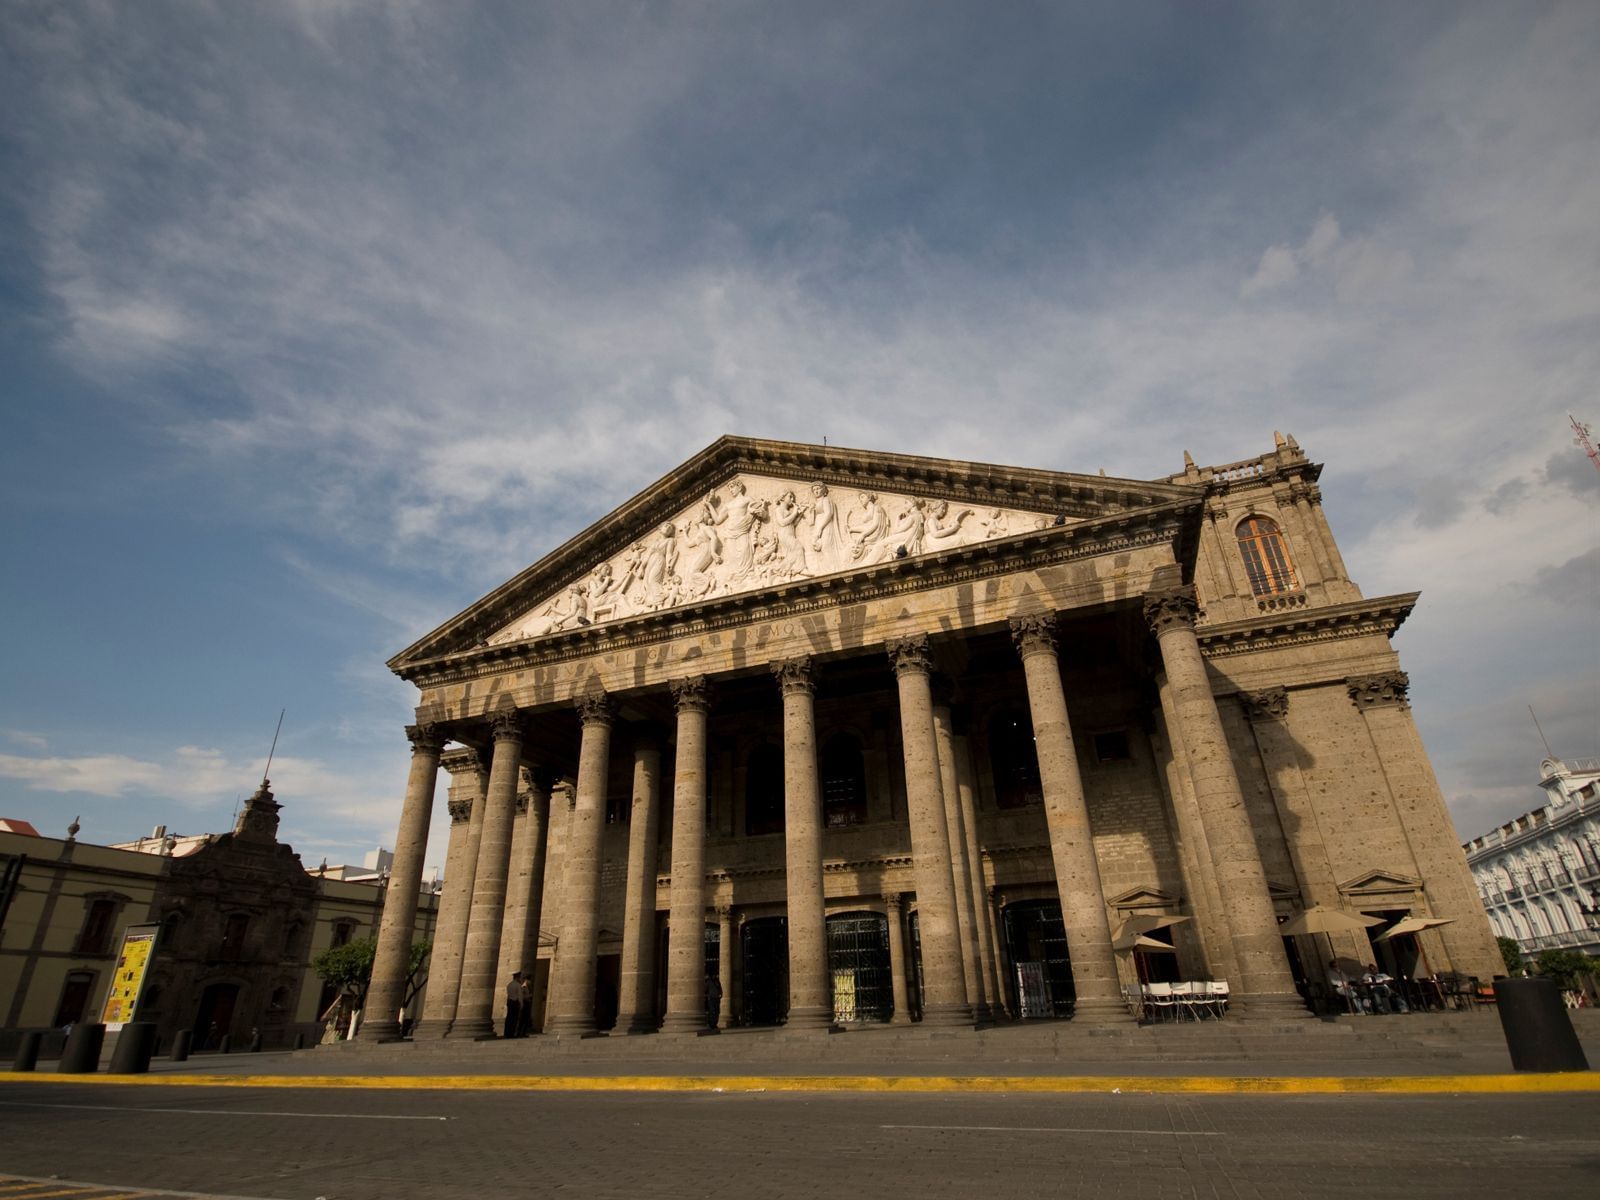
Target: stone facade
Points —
{"points": [[239, 922], [915, 738]]}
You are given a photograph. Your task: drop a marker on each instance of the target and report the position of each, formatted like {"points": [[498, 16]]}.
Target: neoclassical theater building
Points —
{"points": [[821, 737]]}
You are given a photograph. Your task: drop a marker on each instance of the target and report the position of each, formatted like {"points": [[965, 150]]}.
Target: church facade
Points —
{"points": [[819, 737]]}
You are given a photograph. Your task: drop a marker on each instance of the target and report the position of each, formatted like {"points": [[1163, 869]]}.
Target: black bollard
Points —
{"points": [[28, 1051], [82, 1053], [300, 1040], [134, 1046], [180, 1046], [1538, 1031], [225, 1046]]}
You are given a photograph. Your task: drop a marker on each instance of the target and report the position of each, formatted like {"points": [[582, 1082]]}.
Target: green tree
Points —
{"points": [[348, 969], [1566, 967], [1511, 952]]}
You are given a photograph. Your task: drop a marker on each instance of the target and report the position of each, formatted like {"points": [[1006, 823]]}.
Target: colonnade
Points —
{"points": [[957, 939]]}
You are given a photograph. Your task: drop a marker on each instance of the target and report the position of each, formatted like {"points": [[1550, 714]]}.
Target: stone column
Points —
{"points": [[725, 965], [514, 925], [960, 876], [636, 1009], [981, 922], [1265, 988], [455, 905], [945, 1000], [478, 1006], [686, 918], [391, 964], [810, 985], [1426, 823], [991, 915], [1066, 811], [897, 958], [572, 979], [537, 855]]}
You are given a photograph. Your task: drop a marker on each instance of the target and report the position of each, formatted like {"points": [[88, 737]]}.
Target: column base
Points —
{"points": [[1102, 1011], [900, 1018], [1268, 1006], [635, 1024], [431, 1029], [680, 1022], [582, 1026], [476, 1029], [946, 1015], [378, 1031], [809, 1018]]}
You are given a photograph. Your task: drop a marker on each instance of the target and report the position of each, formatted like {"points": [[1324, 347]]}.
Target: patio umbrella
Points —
{"points": [[1321, 919], [1142, 923], [1416, 925]]}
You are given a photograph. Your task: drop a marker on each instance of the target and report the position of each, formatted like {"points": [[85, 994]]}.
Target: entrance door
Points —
{"points": [[858, 964], [214, 1018], [1036, 941], [766, 970], [607, 981]]}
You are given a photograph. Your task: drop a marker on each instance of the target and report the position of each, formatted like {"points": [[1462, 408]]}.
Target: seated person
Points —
{"points": [[1381, 985]]}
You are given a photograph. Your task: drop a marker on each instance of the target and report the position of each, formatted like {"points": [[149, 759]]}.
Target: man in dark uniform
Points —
{"points": [[513, 1004]]}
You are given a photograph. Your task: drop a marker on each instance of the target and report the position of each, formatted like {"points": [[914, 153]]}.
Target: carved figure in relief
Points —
{"points": [[941, 526], [789, 556], [659, 575], [604, 595], [829, 550], [736, 524], [866, 525], [905, 538], [996, 524]]}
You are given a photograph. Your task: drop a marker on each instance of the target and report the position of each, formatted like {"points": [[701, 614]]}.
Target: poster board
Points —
{"points": [[127, 982]]}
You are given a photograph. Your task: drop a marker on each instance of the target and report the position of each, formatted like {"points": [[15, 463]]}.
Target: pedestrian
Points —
{"points": [[525, 1026], [513, 1004], [713, 1002]]}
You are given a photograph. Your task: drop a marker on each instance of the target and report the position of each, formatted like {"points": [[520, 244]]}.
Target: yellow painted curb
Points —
{"points": [[1576, 1081]]}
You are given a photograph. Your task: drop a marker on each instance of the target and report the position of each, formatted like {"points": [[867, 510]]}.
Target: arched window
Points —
{"points": [[763, 791], [1266, 557], [169, 932], [844, 782], [95, 937], [233, 937], [1014, 760]]}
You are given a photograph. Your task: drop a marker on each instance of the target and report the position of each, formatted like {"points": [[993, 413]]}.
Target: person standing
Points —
{"points": [[514, 1005]]}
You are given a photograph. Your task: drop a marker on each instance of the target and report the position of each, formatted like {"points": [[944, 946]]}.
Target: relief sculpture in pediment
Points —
{"points": [[754, 532]]}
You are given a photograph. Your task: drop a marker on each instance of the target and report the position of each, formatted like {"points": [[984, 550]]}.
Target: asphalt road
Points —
{"points": [[349, 1145]]}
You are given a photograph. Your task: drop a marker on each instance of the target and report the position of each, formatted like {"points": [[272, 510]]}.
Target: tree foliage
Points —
{"points": [[1511, 953], [1566, 967], [348, 968]]}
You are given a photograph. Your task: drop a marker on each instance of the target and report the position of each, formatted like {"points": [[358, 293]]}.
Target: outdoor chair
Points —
{"points": [[1217, 993], [1190, 999], [1160, 1002]]}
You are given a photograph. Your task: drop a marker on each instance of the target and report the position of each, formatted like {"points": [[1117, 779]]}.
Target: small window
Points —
{"points": [[74, 997], [844, 782], [763, 792], [1266, 557], [169, 932], [1014, 761], [96, 935], [1112, 747], [343, 931], [233, 937]]}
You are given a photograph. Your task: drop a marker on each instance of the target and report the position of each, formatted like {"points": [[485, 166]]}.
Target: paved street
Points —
{"points": [[349, 1145]]}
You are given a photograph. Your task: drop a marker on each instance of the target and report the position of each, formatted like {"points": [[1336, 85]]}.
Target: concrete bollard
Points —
{"points": [[180, 1046], [225, 1046], [134, 1046], [82, 1053], [300, 1040], [28, 1051]]}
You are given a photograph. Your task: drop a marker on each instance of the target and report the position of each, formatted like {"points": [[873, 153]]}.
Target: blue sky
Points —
{"points": [[318, 320]]}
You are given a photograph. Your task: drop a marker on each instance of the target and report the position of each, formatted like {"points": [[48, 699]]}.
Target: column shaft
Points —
{"points": [[944, 985], [892, 906], [1066, 810], [455, 905], [572, 981], [979, 885], [960, 876], [725, 936], [475, 1011], [810, 985], [519, 942], [686, 918], [391, 963], [636, 1010], [1265, 987]]}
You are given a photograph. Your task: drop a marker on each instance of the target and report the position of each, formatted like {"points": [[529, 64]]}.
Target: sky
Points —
{"points": [[320, 319]]}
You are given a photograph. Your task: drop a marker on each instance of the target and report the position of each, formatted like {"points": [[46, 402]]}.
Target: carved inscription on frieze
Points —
{"points": [[754, 532]]}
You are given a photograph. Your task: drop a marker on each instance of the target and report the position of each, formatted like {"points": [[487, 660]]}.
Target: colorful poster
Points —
{"points": [[138, 947]]}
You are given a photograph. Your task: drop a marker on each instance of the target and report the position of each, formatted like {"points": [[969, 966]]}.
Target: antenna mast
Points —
{"points": [[1548, 753], [274, 749], [1581, 429]]}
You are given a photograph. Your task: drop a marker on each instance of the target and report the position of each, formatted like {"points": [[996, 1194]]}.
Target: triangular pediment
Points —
{"points": [[1379, 882], [1144, 897], [745, 516]]}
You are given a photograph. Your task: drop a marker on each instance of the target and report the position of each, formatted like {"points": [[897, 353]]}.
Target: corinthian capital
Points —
{"points": [[507, 726], [795, 675], [910, 655], [1171, 607], [1271, 704], [426, 738], [692, 694], [1374, 691], [1034, 633], [460, 810], [595, 708]]}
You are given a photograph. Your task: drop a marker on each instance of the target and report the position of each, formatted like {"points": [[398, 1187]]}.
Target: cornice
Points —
{"points": [[1123, 532], [1077, 496], [1356, 618]]}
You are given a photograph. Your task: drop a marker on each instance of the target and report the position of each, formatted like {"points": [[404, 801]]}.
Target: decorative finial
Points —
{"points": [[72, 830], [1188, 460]]}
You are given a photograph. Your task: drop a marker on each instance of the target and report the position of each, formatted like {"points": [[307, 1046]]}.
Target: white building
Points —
{"points": [[1539, 875]]}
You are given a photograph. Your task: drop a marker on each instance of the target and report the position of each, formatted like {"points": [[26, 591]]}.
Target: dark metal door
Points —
{"points": [[858, 964], [766, 970]]}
